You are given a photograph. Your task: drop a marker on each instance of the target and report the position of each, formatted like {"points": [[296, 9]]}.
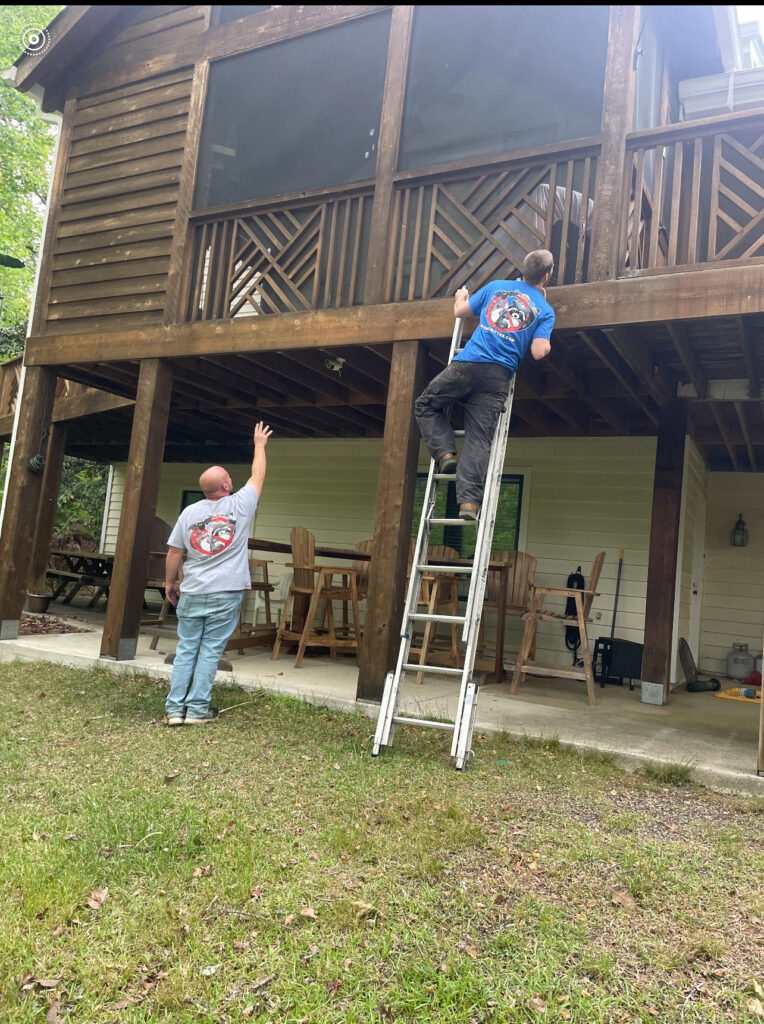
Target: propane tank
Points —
{"points": [[739, 662]]}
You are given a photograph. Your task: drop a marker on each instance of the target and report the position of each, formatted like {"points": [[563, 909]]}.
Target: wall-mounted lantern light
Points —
{"points": [[739, 534]]}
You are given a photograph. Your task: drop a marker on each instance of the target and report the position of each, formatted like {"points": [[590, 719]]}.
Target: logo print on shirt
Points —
{"points": [[213, 534], [511, 311]]}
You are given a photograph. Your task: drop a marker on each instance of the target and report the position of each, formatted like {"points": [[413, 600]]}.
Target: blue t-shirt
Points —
{"points": [[512, 314]]}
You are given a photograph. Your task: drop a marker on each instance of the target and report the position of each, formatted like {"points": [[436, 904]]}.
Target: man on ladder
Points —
{"points": [[514, 316]]}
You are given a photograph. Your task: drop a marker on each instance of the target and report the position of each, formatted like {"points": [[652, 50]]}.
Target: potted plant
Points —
{"points": [[38, 598]]}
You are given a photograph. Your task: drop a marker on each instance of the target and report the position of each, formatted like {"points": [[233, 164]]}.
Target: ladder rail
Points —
{"points": [[463, 724]]}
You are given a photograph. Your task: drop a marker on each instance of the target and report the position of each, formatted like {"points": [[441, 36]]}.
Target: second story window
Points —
{"points": [[294, 116]]}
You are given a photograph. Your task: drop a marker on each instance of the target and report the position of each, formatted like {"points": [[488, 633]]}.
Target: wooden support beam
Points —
{"points": [[46, 511], [686, 352], [23, 498], [392, 522], [740, 411], [749, 357], [697, 294], [144, 467], [387, 155], [620, 370], [718, 416], [664, 543], [637, 357], [617, 114]]}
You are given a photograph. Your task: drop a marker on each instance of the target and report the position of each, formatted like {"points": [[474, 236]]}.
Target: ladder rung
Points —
{"points": [[425, 722], [453, 522], [451, 569], [424, 617], [444, 476], [410, 667], [458, 433]]}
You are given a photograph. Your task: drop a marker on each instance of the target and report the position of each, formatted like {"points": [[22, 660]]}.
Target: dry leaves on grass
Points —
{"points": [[51, 1017], [204, 872], [29, 981], [623, 899], [97, 897]]}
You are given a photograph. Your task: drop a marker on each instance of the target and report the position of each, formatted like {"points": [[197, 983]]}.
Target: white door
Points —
{"points": [[696, 590]]}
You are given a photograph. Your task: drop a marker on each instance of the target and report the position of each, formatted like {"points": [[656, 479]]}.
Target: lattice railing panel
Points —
{"points": [[477, 226], [281, 259], [701, 198]]}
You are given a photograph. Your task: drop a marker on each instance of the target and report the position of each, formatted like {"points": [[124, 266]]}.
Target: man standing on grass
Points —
{"points": [[514, 316], [212, 535]]}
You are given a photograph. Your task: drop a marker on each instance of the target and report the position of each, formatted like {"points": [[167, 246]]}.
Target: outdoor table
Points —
{"points": [[83, 569]]}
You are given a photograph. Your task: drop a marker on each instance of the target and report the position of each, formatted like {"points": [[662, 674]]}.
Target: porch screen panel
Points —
{"points": [[295, 116], [493, 79], [506, 530]]}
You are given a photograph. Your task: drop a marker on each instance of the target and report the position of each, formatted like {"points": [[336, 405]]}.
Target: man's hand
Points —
{"points": [[172, 592], [462, 303], [262, 433]]}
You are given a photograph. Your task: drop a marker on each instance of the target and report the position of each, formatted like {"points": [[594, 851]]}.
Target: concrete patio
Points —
{"points": [[717, 739]]}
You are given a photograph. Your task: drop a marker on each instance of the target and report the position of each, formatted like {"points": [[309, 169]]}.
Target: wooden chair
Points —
{"points": [[361, 567], [439, 594], [521, 569], [315, 583], [252, 632], [583, 600]]}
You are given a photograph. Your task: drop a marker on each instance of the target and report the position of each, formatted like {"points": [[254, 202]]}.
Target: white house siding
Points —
{"points": [[581, 496], [694, 491], [733, 585]]}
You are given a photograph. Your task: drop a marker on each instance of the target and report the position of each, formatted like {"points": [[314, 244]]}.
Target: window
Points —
{"points": [[189, 497], [506, 531], [492, 79], [294, 116]]}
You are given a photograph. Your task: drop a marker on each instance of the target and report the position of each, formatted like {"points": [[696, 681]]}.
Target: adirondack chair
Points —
{"points": [[520, 572], [315, 583], [583, 600]]}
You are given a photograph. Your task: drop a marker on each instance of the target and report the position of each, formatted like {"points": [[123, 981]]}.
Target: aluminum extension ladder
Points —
{"points": [[461, 746]]}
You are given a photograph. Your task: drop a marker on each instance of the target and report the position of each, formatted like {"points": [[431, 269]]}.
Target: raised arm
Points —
{"points": [[461, 303], [257, 478]]}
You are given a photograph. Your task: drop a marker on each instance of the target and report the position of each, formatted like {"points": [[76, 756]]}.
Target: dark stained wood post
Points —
{"points": [[617, 120], [664, 541], [144, 466], [46, 513], [387, 156], [24, 488], [392, 521]]}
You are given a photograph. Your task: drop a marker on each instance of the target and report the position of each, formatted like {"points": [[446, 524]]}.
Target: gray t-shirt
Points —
{"points": [[214, 535]]}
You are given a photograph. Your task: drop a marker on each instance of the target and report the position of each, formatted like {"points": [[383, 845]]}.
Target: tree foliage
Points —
{"points": [[26, 146]]}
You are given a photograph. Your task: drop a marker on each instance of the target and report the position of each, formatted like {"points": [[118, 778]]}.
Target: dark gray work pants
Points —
{"points": [[482, 389]]}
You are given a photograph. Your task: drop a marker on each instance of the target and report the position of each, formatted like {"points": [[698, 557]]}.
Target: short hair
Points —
{"points": [[536, 264]]}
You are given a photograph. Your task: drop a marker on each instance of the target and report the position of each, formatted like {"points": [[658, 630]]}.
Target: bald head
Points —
{"points": [[215, 483]]}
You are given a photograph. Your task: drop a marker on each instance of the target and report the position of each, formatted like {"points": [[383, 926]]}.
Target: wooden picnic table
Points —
{"points": [[83, 569]]}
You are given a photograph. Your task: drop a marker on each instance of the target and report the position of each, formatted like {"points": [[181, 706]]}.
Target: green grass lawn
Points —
{"points": [[266, 868]]}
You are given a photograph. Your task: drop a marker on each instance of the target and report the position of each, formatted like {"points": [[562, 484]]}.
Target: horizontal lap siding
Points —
{"points": [[586, 495], [733, 582], [114, 237]]}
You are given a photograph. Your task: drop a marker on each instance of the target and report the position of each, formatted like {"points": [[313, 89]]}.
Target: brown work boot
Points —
{"points": [[468, 511], [447, 463]]}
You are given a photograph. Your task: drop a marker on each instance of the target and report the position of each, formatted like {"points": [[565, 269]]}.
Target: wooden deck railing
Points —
{"points": [[294, 253], [466, 224], [701, 194], [10, 380]]}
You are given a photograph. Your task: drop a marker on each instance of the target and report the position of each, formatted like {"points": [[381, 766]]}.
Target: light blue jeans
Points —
{"points": [[205, 622]]}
